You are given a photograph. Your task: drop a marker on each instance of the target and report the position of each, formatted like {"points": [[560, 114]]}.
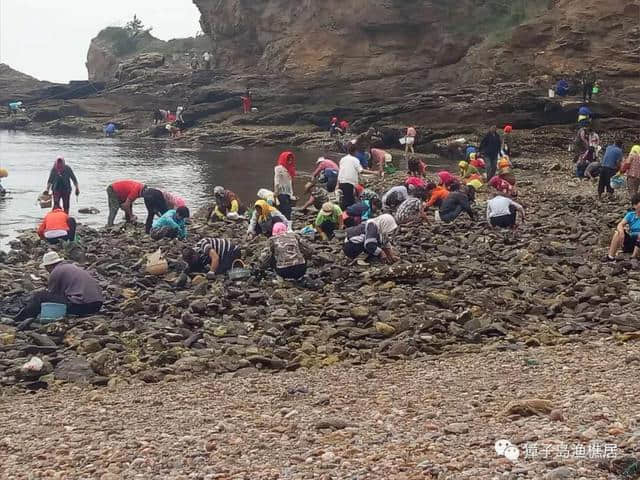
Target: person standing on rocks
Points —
{"points": [[121, 195], [490, 148], [247, 101], [284, 173], [610, 164], [501, 212], [286, 253], [627, 233], [59, 183], [206, 60], [372, 237], [68, 284], [631, 167], [409, 140], [349, 176], [213, 254], [263, 219], [588, 82], [57, 226]]}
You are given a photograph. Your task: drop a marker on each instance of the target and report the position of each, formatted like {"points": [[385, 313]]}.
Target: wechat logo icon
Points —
{"points": [[505, 448]]}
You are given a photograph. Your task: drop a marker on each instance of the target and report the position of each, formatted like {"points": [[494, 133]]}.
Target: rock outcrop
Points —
{"points": [[114, 46], [15, 85]]}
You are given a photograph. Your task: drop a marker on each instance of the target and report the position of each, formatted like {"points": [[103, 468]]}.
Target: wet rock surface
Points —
{"points": [[458, 287]]}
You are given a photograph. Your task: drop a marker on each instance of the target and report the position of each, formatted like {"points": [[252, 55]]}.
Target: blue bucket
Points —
{"points": [[50, 312]]}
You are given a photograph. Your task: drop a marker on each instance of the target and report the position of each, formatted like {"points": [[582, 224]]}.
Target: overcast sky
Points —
{"points": [[49, 39]]}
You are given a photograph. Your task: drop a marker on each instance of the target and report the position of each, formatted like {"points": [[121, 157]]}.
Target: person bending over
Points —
{"points": [[68, 284], [211, 254]]}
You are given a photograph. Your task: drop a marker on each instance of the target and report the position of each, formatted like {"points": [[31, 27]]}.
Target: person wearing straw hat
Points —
{"points": [[328, 220], [68, 284]]}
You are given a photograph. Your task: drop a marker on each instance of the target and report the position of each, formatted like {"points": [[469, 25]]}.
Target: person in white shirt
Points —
{"points": [[284, 173], [349, 176], [501, 212]]}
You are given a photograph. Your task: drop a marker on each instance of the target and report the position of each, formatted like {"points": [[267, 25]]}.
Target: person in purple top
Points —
{"points": [[68, 284]]}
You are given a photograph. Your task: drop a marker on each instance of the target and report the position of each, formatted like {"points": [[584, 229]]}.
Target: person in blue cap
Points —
{"points": [[584, 116], [110, 130]]}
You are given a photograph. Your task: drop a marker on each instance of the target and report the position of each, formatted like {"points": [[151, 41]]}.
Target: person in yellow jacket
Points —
{"points": [[226, 203]]}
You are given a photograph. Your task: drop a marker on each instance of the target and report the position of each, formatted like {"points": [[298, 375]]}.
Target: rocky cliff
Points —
{"points": [[114, 46], [461, 41], [448, 67]]}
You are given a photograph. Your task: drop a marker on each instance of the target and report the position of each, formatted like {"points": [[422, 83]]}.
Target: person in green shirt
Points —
{"points": [[328, 220]]}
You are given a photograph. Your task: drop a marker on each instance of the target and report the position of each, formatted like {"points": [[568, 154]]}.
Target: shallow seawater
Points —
{"points": [[97, 163]]}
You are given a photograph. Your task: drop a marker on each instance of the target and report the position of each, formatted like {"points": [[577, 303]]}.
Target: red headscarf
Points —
{"points": [[288, 161], [446, 178], [59, 165], [501, 185]]}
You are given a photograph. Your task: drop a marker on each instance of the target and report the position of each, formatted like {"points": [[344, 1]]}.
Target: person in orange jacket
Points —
{"points": [[57, 225]]}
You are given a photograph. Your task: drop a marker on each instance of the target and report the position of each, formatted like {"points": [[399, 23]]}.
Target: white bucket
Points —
{"points": [[552, 93]]}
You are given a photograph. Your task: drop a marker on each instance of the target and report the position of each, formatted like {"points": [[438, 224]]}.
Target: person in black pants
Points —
{"points": [[156, 205], [610, 165], [456, 202], [490, 148], [588, 82], [59, 182]]}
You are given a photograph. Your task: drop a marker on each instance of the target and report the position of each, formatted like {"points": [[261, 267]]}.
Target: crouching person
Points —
{"points": [[171, 225], [286, 253], [56, 226], [329, 219], [68, 284], [627, 233], [211, 254], [373, 238]]}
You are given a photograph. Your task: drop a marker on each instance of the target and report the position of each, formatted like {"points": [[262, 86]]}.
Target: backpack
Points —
{"points": [[287, 251]]}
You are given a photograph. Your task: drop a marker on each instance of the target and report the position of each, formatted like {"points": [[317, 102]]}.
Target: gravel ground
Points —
{"points": [[421, 419]]}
